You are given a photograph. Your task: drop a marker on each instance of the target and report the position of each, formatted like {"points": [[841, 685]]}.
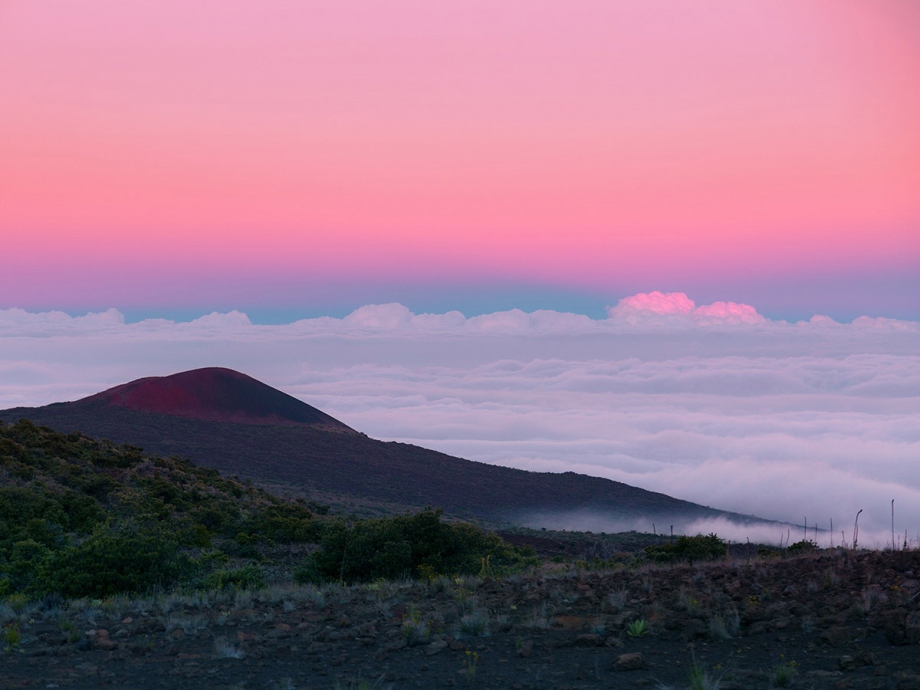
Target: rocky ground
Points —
{"points": [[835, 619]]}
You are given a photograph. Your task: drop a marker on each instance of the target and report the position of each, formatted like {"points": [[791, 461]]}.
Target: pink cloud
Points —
{"points": [[656, 305], [728, 312]]}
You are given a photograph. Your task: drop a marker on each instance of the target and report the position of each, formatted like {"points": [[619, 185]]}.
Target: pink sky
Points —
{"points": [[597, 146]]}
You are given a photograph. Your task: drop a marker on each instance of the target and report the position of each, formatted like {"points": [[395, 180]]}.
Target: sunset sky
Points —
{"points": [[294, 159], [675, 244]]}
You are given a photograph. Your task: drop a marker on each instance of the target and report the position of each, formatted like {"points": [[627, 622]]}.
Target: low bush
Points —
{"points": [[407, 545], [803, 546], [249, 576], [110, 563], [698, 548]]}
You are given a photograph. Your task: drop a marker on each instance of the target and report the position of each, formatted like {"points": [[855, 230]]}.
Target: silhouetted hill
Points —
{"points": [[233, 423]]}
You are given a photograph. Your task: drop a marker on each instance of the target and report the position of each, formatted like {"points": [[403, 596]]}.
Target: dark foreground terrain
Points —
{"points": [[836, 619]]}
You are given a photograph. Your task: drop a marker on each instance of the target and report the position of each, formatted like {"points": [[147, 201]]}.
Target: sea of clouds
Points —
{"points": [[714, 403]]}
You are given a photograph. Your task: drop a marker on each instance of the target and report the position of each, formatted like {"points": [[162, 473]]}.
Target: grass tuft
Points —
{"points": [[475, 624], [225, 650], [699, 679], [638, 628]]}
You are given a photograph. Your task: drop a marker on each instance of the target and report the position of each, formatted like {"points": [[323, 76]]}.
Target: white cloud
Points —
{"points": [[815, 419]]}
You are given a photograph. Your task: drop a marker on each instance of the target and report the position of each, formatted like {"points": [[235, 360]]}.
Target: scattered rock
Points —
{"points": [[902, 628], [101, 641], [838, 635], [633, 661], [435, 647], [366, 630], [908, 681], [852, 662], [758, 628], [397, 645], [526, 649]]}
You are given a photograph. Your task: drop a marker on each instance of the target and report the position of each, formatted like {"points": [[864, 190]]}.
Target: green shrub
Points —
{"points": [[803, 546], [214, 518], [24, 559], [283, 523], [698, 548], [110, 563], [247, 577], [406, 545]]}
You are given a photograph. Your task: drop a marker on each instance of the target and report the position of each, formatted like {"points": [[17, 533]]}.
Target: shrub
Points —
{"points": [[249, 576], [698, 548], [283, 523], [405, 546], [110, 563], [25, 558], [803, 546]]}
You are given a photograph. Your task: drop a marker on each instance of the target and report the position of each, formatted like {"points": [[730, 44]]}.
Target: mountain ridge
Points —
{"points": [[319, 457], [214, 394]]}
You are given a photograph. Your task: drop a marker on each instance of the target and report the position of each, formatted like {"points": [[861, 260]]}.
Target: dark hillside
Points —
{"points": [[84, 517], [80, 517]]}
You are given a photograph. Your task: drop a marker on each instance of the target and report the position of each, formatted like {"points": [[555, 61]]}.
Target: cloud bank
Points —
{"points": [[713, 403]]}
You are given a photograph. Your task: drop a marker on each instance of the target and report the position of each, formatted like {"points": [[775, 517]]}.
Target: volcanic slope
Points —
{"points": [[223, 419]]}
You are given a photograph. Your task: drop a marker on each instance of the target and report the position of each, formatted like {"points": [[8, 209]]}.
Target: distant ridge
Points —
{"points": [[223, 419], [214, 394]]}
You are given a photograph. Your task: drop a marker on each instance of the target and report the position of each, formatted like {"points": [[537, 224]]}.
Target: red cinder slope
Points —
{"points": [[215, 394]]}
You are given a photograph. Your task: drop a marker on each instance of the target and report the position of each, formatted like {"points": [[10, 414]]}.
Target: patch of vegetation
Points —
{"points": [[784, 674], [691, 549], [407, 546], [699, 678], [86, 518], [249, 576], [638, 628], [803, 546]]}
